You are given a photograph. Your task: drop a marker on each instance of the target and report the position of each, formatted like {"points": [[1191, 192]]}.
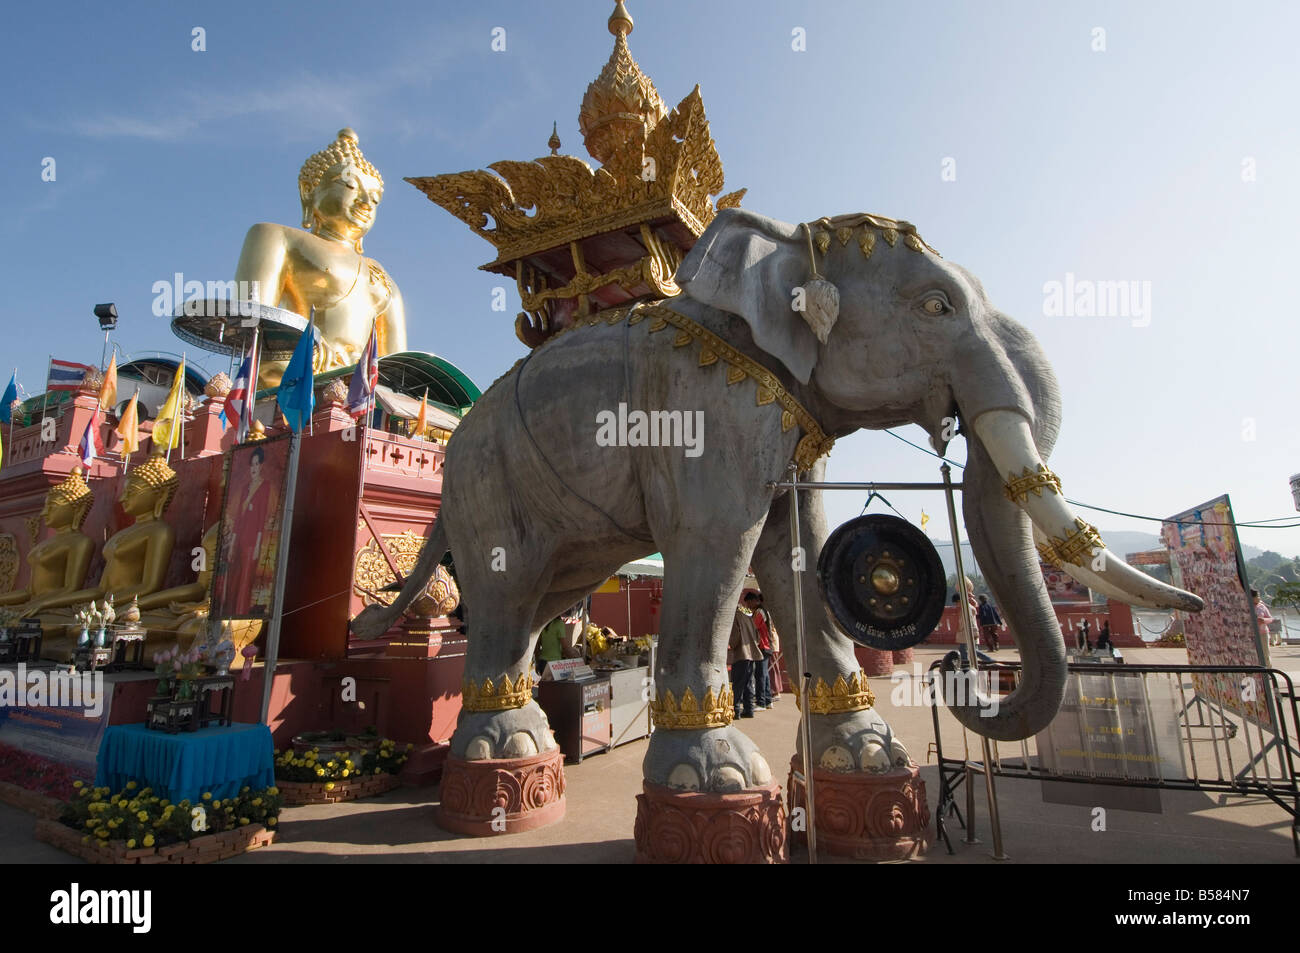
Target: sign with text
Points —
{"points": [[1115, 726], [1206, 558]]}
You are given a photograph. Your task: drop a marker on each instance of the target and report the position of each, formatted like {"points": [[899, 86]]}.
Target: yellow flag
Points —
{"points": [[108, 389], [925, 518], [422, 421], [128, 428], [167, 426]]}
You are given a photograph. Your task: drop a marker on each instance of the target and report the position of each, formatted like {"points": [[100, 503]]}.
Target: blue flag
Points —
{"points": [[10, 395], [296, 395]]}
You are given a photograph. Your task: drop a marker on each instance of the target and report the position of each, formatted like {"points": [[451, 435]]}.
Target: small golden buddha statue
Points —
{"points": [[58, 564], [323, 267], [135, 558]]}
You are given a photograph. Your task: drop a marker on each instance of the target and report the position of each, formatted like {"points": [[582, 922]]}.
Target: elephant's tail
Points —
{"points": [[375, 620]]}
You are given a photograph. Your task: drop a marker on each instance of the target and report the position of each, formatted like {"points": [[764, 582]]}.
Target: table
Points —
{"points": [[184, 766]]}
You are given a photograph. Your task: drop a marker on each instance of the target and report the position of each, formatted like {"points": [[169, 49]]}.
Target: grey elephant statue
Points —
{"points": [[660, 427]]}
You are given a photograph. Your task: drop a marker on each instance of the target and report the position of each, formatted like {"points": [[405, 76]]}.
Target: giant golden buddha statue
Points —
{"points": [[135, 557], [322, 267], [57, 565]]}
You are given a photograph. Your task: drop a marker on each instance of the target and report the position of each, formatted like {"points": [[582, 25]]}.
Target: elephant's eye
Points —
{"points": [[936, 304]]}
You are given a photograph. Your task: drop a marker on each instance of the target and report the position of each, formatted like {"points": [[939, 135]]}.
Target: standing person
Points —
{"points": [[1262, 619], [961, 631], [1103, 637], [744, 651], [762, 685], [775, 684], [986, 614]]}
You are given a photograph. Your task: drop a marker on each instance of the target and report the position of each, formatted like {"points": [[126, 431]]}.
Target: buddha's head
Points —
{"points": [[149, 488], [340, 191], [67, 503]]}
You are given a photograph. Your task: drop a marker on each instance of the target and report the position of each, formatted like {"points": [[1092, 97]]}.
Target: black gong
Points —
{"points": [[882, 582]]}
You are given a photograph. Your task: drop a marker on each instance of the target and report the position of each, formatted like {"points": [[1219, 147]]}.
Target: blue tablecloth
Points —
{"points": [[187, 764]]}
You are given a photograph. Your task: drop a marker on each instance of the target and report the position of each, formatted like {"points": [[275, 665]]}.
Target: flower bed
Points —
{"points": [[310, 777], [35, 773], [200, 850], [331, 792], [136, 826]]}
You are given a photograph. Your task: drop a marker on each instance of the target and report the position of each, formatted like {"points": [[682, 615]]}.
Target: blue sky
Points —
{"points": [[1120, 164]]}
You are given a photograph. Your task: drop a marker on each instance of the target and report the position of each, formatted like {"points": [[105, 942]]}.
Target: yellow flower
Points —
{"points": [[244, 789], [130, 845], [376, 770], [271, 821], [345, 770], [78, 785], [142, 815], [329, 785], [216, 804], [131, 785], [90, 823], [148, 840], [311, 755], [102, 833], [410, 745], [257, 802], [244, 820], [320, 772], [272, 790], [207, 795]]}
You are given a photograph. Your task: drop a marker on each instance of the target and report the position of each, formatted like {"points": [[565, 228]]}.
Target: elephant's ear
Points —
{"points": [[751, 265]]}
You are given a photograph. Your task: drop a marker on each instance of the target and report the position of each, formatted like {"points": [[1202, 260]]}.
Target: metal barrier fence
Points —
{"points": [[1217, 750]]}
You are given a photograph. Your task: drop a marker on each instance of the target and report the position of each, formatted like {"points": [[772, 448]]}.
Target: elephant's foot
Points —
{"points": [[718, 760], [505, 773], [856, 741], [708, 798], [510, 733]]}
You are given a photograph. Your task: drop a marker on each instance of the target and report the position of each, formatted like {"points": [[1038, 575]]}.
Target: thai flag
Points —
{"points": [[65, 375], [365, 377], [91, 447], [239, 406]]}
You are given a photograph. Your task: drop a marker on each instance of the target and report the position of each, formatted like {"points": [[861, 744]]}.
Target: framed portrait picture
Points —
{"points": [[252, 516]]}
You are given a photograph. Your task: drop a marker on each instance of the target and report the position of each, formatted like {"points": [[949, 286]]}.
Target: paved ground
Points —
{"points": [[399, 828]]}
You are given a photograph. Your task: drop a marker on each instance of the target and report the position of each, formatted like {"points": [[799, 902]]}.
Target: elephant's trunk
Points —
{"points": [[1015, 419]]}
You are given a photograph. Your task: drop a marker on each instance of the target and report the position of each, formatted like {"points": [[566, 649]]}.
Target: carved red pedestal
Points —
{"points": [[866, 816], [875, 662], [903, 657], [531, 790], [687, 827]]}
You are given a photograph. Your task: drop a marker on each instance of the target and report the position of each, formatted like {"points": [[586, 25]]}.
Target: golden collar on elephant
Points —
{"points": [[490, 696], [690, 714], [815, 443], [843, 695], [842, 227], [1083, 542]]}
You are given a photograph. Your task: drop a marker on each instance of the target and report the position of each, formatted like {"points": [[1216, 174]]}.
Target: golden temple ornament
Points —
{"points": [[491, 697], [655, 187], [690, 714], [844, 695], [1074, 549], [1018, 488]]}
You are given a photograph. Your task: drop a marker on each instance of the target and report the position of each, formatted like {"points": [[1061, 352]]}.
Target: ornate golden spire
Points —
{"points": [[621, 106], [554, 142]]}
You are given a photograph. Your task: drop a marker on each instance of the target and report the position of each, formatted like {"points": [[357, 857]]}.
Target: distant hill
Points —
{"points": [[1122, 542]]}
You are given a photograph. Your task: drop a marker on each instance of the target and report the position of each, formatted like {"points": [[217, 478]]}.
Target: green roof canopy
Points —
{"points": [[409, 373]]}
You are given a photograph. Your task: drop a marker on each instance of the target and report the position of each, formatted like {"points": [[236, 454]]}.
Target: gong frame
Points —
{"points": [[947, 487]]}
